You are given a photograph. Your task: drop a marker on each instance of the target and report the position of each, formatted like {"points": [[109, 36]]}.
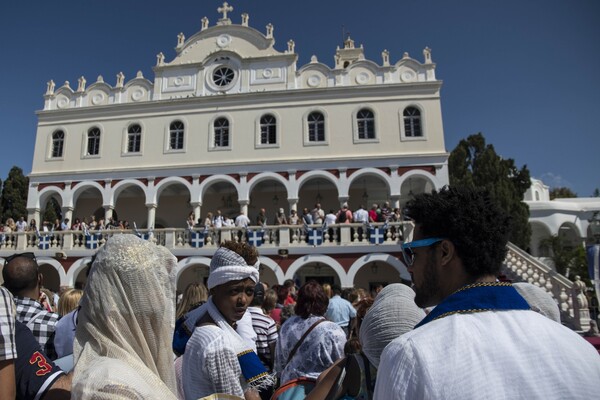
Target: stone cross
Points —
{"points": [[225, 9], [81, 86], [204, 23], [50, 88]]}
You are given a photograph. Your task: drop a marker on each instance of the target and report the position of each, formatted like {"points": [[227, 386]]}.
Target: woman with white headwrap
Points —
{"points": [[217, 358], [125, 324], [392, 314]]}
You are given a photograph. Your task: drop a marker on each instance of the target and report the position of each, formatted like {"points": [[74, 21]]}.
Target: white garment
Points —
{"points": [[323, 346], [125, 325], [242, 221], [361, 215], [489, 355], [330, 219], [210, 364]]}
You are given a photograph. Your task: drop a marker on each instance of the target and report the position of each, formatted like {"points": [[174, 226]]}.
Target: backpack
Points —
{"points": [[342, 216]]}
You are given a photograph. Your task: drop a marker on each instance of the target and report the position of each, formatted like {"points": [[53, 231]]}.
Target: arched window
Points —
{"points": [[221, 128], [176, 130], [93, 142], [134, 138], [412, 122], [365, 122], [58, 142], [268, 129], [316, 127]]}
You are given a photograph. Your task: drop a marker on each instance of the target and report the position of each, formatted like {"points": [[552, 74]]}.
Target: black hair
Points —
{"points": [[471, 219], [336, 289], [20, 274]]}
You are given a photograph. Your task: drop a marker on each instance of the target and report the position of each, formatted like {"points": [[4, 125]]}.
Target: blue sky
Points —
{"points": [[525, 73]]}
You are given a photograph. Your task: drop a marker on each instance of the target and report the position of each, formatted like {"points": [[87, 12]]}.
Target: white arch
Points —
{"points": [[320, 258], [47, 192], [263, 176], [215, 179], [312, 175], [163, 184], [370, 171], [122, 185], [187, 262], [57, 266], [82, 186], [272, 265], [75, 269], [381, 257]]}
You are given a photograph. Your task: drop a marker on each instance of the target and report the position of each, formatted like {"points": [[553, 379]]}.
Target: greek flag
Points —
{"points": [[196, 239], [593, 258], [314, 237], [92, 240], [256, 237], [145, 236], [376, 235], [44, 241]]}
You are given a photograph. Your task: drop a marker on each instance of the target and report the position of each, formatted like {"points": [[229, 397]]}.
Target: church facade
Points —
{"points": [[232, 125]]}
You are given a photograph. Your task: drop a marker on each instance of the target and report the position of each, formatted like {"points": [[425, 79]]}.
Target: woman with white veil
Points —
{"points": [[122, 345]]}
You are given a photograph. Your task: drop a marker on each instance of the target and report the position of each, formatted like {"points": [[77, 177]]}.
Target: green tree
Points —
{"points": [[51, 212], [562, 193], [566, 256], [596, 193], [13, 201], [475, 163]]}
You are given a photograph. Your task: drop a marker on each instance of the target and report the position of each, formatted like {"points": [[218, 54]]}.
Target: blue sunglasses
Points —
{"points": [[407, 248]]}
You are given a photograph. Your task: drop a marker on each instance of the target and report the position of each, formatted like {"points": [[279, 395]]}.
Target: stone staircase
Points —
{"points": [[519, 266]]}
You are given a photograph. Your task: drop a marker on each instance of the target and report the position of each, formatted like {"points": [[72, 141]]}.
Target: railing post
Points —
{"points": [[345, 234], [284, 236], [21, 241]]}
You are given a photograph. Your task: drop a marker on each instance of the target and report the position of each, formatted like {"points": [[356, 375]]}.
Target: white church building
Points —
{"points": [[232, 123]]}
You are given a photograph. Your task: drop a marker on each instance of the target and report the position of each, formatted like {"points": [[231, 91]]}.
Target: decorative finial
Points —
{"points": [[204, 23], [160, 59], [349, 43], [427, 55], [245, 18], [270, 31], [313, 59], [385, 55], [100, 79], [291, 46], [50, 87], [67, 84], [81, 86], [120, 79], [180, 39], [224, 10], [139, 74], [405, 55]]}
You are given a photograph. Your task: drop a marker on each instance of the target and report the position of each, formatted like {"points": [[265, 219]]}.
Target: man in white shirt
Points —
{"points": [[21, 225], [482, 340]]}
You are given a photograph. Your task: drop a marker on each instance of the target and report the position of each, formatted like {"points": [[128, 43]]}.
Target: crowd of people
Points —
{"points": [[86, 224], [457, 333]]}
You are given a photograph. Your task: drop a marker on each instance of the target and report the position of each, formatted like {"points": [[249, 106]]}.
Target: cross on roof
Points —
{"points": [[225, 9]]}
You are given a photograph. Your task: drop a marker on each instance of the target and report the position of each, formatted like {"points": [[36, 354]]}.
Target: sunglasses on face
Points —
{"points": [[29, 255], [407, 248]]}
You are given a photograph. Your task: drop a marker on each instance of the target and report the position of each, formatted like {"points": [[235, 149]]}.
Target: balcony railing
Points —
{"points": [[76, 243]]}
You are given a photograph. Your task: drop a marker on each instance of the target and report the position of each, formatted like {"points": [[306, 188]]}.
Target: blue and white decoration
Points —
{"points": [[44, 241], [256, 237], [196, 239], [376, 235], [92, 240], [314, 237], [593, 259]]}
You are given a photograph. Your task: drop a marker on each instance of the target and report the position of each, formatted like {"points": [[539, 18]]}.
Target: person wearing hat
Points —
{"points": [[218, 357]]}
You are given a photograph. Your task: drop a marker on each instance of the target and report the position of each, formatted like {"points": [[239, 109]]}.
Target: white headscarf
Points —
{"points": [[392, 314], [123, 339], [539, 300], [226, 265]]}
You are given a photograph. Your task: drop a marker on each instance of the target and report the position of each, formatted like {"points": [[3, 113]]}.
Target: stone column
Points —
{"points": [[67, 212], [151, 215], [108, 213], [244, 206], [197, 206], [293, 204]]}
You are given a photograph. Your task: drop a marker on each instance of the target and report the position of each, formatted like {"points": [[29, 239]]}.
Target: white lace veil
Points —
{"points": [[123, 341]]}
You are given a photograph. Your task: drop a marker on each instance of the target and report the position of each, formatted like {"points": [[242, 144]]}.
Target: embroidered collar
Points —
{"points": [[478, 297]]}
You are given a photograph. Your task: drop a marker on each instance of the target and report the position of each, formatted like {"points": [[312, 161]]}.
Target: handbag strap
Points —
{"points": [[293, 352]]}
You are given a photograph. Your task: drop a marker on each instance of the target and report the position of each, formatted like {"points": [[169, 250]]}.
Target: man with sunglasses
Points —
{"points": [[481, 340], [23, 279]]}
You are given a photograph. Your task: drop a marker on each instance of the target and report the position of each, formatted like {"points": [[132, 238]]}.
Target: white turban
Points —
{"points": [[539, 300], [392, 314], [226, 265]]}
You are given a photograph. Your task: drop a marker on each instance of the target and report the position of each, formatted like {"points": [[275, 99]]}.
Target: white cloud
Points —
{"points": [[553, 180]]}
